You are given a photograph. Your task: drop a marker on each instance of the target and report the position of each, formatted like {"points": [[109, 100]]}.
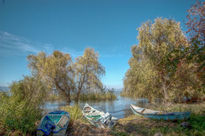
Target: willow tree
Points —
{"points": [[55, 70], [87, 72], [59, 71]]}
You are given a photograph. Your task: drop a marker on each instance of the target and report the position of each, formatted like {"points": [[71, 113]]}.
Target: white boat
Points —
{"points": [[159, 114], [98, 118]]}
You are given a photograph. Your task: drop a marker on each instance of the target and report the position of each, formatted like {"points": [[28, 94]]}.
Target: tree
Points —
{"points": [[141, 79], [196, 21], [58, 71], [196, 30], [157, 41], [54, 70], [152, 72], [87, 72]]}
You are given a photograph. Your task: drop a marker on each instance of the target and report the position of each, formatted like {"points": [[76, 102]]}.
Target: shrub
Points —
{"points": [[21, 109]]}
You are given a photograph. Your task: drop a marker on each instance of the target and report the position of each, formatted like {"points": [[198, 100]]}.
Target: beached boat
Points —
{"points": [[159, 114], [54, 123], [98, 118]]}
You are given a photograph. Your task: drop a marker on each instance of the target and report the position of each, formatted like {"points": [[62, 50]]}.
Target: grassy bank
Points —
{"points": [[136, 125]]}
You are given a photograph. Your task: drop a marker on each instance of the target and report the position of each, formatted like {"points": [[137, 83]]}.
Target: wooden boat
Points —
{"points": [[159, 114], [54, 123], [98, 118]]}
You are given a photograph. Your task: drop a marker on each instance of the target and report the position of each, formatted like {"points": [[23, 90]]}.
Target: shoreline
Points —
{"points": [[134, 125]]}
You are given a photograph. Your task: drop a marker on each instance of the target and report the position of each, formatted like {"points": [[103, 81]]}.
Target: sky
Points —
{"points": [[107, 26]]}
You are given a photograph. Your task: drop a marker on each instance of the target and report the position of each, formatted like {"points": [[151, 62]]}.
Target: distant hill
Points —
{"points": [[4, 89]]}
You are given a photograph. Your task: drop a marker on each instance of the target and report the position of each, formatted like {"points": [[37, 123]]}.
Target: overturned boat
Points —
{"points": [[54, 123], [98, 118], [159, 114]]}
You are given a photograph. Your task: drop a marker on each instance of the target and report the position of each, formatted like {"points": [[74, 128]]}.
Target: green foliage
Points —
{"points": [[196, 52], [21, 109], [54, 70], [58, 71], [75, 113], [141, 78], [158, 68], [197, 122], [98, 96], [88, 71]]}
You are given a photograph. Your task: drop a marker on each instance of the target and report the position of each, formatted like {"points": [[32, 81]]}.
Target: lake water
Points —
{"points": [[119, 108]]}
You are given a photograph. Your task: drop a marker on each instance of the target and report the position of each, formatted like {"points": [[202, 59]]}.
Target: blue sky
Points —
{"points": [[108, 26]]}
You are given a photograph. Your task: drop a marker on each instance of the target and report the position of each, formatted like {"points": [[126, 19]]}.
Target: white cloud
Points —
{"points": [[11, 44]]}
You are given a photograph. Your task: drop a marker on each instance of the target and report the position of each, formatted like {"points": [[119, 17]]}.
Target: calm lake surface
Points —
{"points": [[119, 108]]}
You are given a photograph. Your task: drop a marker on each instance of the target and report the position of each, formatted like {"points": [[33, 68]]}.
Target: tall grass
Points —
{"points": [[75, 113], [18, 115], [98, 96], [21, 109], [195, 108], [102, 96]]}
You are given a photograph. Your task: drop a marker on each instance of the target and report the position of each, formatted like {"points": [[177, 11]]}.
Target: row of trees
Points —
{"points": [[165, 64], [69, 78]]}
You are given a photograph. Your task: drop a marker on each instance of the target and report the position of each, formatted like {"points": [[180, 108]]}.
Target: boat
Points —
{"points": [[160, 115], [98, 118], [54, 123]]}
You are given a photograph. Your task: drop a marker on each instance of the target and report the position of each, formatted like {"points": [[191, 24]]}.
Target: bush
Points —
{"points": [[20, 110]]}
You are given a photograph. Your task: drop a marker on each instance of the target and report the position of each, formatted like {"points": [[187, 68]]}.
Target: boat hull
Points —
{"points": [[99, 118], [159, 116], [173, 116], [54, 123]]}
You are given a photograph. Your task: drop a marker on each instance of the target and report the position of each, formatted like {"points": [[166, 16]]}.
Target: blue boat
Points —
{"points": [[54, 123], [147, 113]]}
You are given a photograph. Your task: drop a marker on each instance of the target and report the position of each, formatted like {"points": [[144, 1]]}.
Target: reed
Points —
{"points": [[98, 96], [75, 113]]}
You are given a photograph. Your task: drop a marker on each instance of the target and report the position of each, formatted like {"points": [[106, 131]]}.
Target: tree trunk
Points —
{"points": [[80, 86], [68, 101], [166, 97], [63, 91], [78, 95]]}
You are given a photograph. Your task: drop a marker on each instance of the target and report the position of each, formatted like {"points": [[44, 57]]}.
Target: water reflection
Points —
{"points": [[119, 108]]}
